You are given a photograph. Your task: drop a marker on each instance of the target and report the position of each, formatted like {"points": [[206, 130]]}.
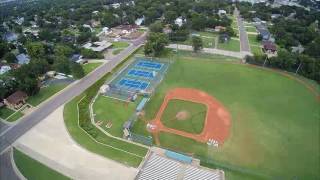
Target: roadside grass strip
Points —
{"points": [[33, 169]]}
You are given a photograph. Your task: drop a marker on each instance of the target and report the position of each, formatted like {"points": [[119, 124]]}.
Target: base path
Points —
{"points": [[50, 143], [217, 122]]}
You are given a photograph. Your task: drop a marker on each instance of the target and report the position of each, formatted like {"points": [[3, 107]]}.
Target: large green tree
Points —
{"points": [[197, 43], [36, 49], [156, 43]]}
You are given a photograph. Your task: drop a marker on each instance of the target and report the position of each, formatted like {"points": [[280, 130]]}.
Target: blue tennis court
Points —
{"points": [[141, 73], [133, 84], [149, 64]]}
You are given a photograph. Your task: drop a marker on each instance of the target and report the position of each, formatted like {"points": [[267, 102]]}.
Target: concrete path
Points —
{"points": [[50, 143], [210, 51]]}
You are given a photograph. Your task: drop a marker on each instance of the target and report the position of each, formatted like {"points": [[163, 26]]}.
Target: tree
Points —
{"points": [[170, 16], [3, 48], [88, 53], [197, 43], [36, 50], [10, 57], [62, 50], [156, 43], [77, 70], [62, 64], [156, 27]]}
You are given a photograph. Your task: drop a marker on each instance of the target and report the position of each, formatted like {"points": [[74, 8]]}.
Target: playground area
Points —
{"points": [[139, 77]]}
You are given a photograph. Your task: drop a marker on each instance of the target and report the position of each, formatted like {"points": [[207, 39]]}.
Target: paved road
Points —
{"points": [[210, 51], [3, 126], [7, 170], [244, 42], [49, 106]]}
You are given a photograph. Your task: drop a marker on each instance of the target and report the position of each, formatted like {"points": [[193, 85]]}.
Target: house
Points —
{"points": [[98, 46], [23, 59], [95, 23], [223, 38], [269, 47], [19, 20], [95, 12], [256, 20], [297, 49], [115, 5], [87, 26], [77, 58], [219, 29], [10, 37], [263, 31], [139, 21], [16, 100], [222, 12], [275, 16], [4, 69], [179, 21]]}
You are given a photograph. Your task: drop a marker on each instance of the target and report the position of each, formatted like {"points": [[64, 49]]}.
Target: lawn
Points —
{"points": [[32, 169], [120, 44], [45, 93], [253, 39], [275, 119], [193, 121], [256, 49], [231, 45], [15, 116], [111, 110], [5, 112], [251, 29], [89, 67], [208, 39]]}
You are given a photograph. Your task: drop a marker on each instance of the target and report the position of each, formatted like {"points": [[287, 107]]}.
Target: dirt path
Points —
{"points": [[217, 122]]}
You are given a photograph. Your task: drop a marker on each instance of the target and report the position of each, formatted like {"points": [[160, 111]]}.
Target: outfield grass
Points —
{"points": [[231, 45], [45, 93], [120, 44], [5, 112], [193, 123], [32, 169], [275, 119], [89, 67], [107, 109]]}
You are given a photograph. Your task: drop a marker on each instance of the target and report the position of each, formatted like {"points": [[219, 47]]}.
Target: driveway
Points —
{"points": [[50, 143]]}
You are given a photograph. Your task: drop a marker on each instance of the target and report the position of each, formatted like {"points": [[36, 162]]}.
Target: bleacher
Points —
{"points": [[162, 168]]}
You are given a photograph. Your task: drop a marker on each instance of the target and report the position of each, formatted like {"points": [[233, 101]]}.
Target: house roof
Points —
{"points": [[9, 36], [269, 46], [23, 59], [16, 97], [75, 57]]}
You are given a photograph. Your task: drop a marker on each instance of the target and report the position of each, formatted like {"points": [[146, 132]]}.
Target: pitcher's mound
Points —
{"points": [[182, 115]]}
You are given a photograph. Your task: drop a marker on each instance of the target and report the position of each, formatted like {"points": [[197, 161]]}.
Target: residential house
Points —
{"points": [[180, 21], [19, 20], [4, 69], [77, 58], [297, 49], [116, 5], [219, 28], [263, 31], [16, 100], [23, 59], [139, 21], [10, 37], [98, 46], [222, 12], [269, 47]]}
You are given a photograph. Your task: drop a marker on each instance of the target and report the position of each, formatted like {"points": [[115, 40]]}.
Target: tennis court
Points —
{"points": [[149, 65], [142, 73], [133, 84]]}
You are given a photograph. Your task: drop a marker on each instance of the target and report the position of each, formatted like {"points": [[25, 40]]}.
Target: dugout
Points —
{"points": [[178, 157]]}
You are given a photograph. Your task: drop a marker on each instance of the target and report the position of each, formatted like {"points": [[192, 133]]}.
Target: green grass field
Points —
{"points": [[251, 29], [5, 112], [32, 169], [253, 39], [89, 67], [231, 45], [45, 93], [192, 123], [256, 49], [120, 44], [275, 120], [15, 116], [108, 109]]}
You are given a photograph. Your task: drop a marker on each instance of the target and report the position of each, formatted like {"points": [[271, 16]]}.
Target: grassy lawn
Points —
{"points": [[256, 49], [251, 29], [107, 109], [253, 39], [5, 112], [89, 67], [45, 93], [275, 120], [208, 39], [14, 116], [193, 122], [33, 169], [231, 45], [120, 44]]}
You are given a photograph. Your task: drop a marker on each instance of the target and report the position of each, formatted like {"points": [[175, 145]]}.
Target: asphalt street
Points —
{"points": [[7, 171], [244, 42], [27, 122]]}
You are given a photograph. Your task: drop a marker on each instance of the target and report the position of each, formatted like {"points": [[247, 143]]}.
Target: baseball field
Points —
{"points": [[274, 130]]}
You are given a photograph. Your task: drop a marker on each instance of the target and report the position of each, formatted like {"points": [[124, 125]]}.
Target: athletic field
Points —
{"points": [[274, 119]]}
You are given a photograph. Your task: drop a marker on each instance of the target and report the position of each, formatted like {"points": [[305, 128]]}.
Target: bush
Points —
{"points": [[77, 71], [88, 53]]}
